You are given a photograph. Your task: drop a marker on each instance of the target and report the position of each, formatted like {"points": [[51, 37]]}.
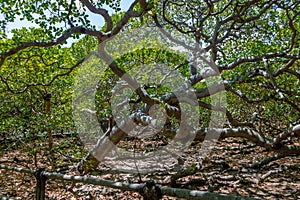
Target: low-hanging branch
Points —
{"points": [[106, 143], [174, 192]]}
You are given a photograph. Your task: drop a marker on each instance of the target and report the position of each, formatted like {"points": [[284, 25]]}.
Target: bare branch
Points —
{"points": [[285, 68], [71, 69], [256, 59]]}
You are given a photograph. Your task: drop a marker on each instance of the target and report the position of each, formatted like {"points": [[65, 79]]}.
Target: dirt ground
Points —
{"points": [[228, 168]]}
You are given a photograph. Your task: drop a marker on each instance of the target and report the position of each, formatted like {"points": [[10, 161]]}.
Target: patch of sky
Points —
{"points": [[95, 19]]}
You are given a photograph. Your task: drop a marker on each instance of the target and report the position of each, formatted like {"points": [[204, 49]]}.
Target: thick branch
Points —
{"points": [[145, 97], [67, 34], [250, 135], [129, 14], [100, 11], [175, 192]]}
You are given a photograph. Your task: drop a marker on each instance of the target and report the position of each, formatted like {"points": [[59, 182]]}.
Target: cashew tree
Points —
{"points": [[239, 70]]}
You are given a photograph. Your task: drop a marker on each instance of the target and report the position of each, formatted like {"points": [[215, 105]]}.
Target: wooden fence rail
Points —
{"points": [[41, 175]]}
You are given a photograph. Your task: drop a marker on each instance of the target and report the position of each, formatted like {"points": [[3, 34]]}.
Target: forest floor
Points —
{"points": [[228, 169]]}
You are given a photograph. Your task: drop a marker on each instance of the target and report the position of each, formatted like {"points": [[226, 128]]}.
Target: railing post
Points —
{"points": [[40, 184], [151, 191]]}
